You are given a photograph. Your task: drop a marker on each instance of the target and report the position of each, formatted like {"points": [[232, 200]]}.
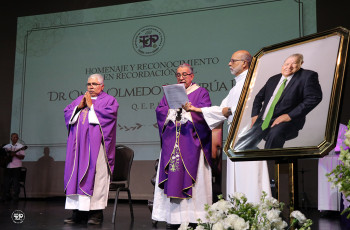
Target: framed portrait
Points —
{"points": [[289, 105]]}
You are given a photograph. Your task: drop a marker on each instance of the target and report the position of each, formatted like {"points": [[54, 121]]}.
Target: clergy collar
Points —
{"points": [[97, 95]]}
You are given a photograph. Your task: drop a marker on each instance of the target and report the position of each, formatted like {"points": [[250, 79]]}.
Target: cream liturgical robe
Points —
{"points": [[183, 182], [250, 177]]}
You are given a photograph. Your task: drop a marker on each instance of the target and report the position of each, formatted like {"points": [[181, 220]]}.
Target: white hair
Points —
{"points": [[299, 57], [98, 76]]}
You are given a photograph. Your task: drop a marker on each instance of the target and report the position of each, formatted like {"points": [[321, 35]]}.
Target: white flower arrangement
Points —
{"points": [[238, 214], [340, 176]]}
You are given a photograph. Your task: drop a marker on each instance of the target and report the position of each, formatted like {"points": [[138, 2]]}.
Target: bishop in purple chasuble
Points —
{"points": [[181, 146], [84, 141]]}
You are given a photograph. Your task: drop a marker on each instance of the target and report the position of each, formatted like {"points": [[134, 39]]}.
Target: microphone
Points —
{"points": [[178, 114]]}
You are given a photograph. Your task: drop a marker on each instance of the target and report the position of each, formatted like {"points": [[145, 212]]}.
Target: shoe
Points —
{"points": [[94, 221], [172, 226], [95, 217], [77, 217], [69, 220]]}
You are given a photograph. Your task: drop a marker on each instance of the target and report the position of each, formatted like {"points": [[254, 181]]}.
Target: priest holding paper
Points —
{"points": [[183, 184]]}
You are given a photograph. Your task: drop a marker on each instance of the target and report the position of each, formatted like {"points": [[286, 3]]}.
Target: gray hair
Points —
{"points": [[98, 76], [247, 57], [300, 58], [187, 66]]}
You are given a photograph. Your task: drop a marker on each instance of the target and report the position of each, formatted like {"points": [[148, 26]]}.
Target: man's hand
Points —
{"points": [[190, 108], [88, 100], [253, 120], [82, 103], [281, 119], [226, 112]]}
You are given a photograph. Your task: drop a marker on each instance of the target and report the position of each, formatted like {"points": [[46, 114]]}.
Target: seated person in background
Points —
{"points": [[13, 169]]}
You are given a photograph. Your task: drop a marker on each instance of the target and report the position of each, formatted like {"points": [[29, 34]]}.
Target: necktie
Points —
{"points": [[269, 114]]}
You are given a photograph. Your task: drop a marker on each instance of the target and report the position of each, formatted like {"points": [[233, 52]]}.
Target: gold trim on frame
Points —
{"points": [[331, 130]]}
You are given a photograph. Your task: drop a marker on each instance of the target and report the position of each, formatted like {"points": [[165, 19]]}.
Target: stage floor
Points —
{"points": [[49, 214]]}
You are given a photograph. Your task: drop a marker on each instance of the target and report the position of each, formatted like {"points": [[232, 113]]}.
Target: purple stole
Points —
{"points": [[84, 141], [181, 147]]}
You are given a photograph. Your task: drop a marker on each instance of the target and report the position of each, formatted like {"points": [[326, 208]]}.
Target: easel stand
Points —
{"points": [[286, 176]]}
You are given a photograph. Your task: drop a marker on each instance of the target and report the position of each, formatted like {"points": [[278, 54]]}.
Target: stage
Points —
{"points": [[49, 214]]}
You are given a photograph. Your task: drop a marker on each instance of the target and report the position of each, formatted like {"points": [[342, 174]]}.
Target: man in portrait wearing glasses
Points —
{"points": [[91, 122], [280, 107], [251, 177], [183, 184]]}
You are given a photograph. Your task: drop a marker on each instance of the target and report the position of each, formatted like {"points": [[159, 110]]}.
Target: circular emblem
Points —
{"points": [[148, 40], [18, 216]]}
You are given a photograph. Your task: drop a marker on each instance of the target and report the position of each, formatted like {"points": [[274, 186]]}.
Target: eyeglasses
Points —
{"points": [[93, 84], [184, 74], [234, 60]]}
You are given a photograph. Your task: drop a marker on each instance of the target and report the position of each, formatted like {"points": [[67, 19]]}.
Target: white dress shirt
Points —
{"points": [[16, 162], [213, 115], [275, 92]]}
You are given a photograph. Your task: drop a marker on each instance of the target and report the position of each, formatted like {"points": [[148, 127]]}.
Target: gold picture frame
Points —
{"points": [[324, 53]]}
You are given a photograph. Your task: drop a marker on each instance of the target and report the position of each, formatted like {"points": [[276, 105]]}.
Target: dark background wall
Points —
{"points": [[331, 14]]}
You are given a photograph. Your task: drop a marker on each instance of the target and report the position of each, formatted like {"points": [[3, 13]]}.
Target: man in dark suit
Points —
{"points": [[280, 107]]}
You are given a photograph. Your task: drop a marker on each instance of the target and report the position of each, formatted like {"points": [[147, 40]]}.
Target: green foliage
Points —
{"points": [[340, 176]]}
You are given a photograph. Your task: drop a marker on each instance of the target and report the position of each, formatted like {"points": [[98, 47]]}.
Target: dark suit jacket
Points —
{"points": [[302, 94]]}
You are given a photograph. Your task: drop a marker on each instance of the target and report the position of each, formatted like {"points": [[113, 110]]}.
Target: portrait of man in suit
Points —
{"points": [[280, 107]]}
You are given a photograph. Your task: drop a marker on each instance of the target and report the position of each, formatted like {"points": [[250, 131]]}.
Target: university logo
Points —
{"points": [[148, 40], [18, 216]]}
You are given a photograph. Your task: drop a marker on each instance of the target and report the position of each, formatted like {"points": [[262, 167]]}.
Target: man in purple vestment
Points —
{"points": [[91, 122], [185, 157]]}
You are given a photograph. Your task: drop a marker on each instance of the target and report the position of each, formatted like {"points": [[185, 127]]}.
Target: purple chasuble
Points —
{"points": [[84, 141], [181, 147]]}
